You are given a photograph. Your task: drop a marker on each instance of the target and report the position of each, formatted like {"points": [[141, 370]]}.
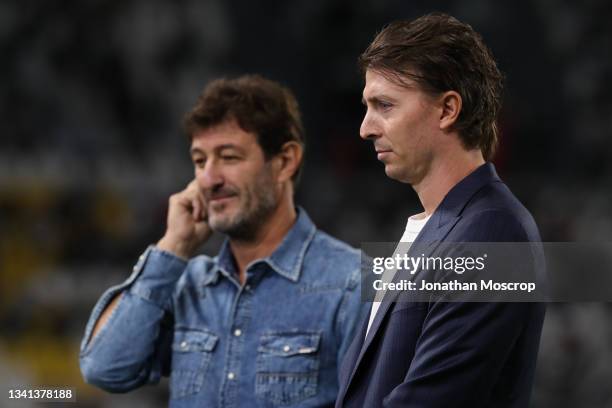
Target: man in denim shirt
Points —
{"points": [[266, 322]]}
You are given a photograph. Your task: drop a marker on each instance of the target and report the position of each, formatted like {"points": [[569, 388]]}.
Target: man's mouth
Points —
{"points": [[382, 153], [221, 197]]}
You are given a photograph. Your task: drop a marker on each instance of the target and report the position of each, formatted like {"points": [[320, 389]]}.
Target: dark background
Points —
{"points": [[92, 94]]}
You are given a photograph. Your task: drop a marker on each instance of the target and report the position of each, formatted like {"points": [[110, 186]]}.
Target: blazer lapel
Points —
{"points": [[437, 228], [432, 235]]}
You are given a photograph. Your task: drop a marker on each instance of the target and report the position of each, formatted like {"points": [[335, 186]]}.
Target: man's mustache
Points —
{"points": [[221, 192]]}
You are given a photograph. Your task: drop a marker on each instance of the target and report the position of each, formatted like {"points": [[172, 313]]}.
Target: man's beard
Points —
{"points": [[257, 204]]}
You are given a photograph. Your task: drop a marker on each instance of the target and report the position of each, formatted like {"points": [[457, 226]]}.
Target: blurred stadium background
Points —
{"points": [[92, 93]]}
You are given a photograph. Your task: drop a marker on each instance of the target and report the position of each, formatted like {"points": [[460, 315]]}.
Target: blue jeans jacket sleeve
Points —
{"points": [[351, 314], [353, 310], [133, 346]]}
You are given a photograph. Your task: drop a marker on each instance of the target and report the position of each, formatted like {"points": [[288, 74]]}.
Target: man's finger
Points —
{"points": [[196, 208], [203, 207]]}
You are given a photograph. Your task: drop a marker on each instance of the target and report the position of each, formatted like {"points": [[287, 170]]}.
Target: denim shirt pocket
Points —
{"points": [[191, 354], [287, 367]]}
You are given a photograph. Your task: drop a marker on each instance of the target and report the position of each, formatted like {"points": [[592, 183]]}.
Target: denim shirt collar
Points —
{"points": [[287, 258]]}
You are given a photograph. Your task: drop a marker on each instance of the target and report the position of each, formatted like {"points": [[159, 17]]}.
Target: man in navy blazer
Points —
{"points": [[433, 93]]}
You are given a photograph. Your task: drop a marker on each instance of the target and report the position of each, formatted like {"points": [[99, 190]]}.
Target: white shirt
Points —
{"points": [[413, 227]]}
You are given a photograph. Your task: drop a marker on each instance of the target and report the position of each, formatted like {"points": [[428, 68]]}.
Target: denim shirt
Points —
{"points": [[278, 340]]}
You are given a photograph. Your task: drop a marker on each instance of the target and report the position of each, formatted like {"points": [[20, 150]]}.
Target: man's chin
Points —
{"points": [[392, 172], [403, 176], [220, 221], [221, 228]]}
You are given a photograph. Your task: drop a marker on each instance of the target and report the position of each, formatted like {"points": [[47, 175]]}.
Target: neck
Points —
{"points": [[266, 239], [444, 174]]}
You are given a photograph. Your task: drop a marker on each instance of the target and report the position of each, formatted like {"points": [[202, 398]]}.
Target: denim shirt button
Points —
{"points": [[237, 332], [247, 288], [286, 349], [184, 345], [231, 376]]}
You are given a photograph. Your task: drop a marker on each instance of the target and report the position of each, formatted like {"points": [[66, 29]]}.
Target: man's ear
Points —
{"points": [[289, 160], [451, 104]]}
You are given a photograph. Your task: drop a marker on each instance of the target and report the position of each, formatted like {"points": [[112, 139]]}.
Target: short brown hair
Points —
{"points": [[440, 53], [258, 105]]}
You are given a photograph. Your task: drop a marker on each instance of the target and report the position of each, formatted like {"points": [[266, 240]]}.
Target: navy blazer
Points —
{"points": [[444, 354]]}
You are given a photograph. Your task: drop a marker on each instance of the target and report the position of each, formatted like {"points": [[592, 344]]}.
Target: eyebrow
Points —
{"points": [[195, 150], [218, 149], [227, 146], [375, 99]]}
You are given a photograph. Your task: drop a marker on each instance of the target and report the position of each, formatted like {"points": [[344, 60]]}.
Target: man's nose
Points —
{"points": [[210, 176], [368, 129]]}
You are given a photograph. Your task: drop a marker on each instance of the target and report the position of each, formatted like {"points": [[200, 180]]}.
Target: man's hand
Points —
{"points": [[187, 226]]}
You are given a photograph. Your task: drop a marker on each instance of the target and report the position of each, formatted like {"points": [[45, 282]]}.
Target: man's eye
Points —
{"points": [[384, 105], [199, 162], [230, 158]]}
